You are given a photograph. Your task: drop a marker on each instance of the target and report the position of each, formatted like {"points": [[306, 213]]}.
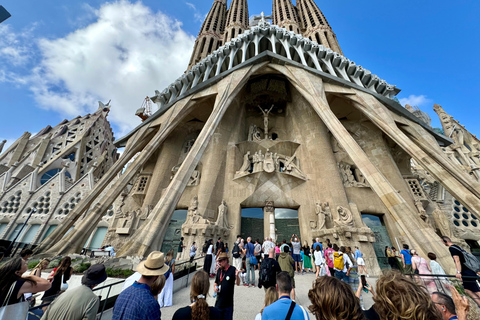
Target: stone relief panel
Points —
{"points": [[194, 179], [323, 213], [345, 217], [351, 176]]}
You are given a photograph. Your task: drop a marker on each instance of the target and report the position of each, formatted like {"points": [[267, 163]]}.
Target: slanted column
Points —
{"points": [[422, 238], [150, 235]]}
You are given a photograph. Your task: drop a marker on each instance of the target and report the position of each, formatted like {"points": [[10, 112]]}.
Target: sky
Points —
{"points": [[58, 58]]}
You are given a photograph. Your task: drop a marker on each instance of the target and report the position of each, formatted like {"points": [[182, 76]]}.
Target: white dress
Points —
{"points": [[318, 258]]}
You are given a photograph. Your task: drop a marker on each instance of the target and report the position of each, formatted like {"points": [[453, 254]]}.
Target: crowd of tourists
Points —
{"points": [[409, 295]]}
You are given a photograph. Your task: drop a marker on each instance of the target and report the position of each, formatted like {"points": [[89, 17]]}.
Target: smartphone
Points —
{"points": [[364, 283]]}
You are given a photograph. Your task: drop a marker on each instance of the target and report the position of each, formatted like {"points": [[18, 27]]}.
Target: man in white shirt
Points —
{"points": [[267, 245], [342, 274]]}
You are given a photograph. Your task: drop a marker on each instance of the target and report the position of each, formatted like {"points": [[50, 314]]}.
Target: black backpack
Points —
{"points": [[266, 271], [236, 251]]}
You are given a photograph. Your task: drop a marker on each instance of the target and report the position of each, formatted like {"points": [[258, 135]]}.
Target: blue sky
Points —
{"points": [[58, 58]]}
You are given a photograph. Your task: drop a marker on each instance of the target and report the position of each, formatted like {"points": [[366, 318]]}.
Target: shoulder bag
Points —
{"points": [[63, 285], [17, 311]]}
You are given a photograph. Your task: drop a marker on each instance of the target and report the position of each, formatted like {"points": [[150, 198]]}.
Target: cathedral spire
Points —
{"points": [[211, 34], [315, 25], [285, 15], [237, 19]]}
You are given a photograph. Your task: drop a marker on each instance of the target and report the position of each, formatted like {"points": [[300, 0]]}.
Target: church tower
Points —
{"points": [[211, 33], [316, 26], [237, 19], [285, 15]]}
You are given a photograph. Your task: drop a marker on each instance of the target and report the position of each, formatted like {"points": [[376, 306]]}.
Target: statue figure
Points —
{"points": [[345, 218], [268, 163], [360, 177], [442, 223], [222, 220], [269, 206], [421, 210], [192, 209], [265, 119], [246, 163], [254, 133], [322, 210], [255, 162], [194, 179], [292, 168]]}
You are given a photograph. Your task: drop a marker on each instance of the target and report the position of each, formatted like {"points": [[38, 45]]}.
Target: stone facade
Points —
{"points": [[287, 124], [51, 172]]}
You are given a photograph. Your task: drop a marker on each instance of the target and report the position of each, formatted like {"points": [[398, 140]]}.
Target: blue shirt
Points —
{"points": [[279, 310], [316, 244], [406, 256], [358, 254], [250, 249], [136, 303]]}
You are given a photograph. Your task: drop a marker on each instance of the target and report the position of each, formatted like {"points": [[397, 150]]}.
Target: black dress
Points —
{"points": [[13, 298], [51, 293], [186, 313]]}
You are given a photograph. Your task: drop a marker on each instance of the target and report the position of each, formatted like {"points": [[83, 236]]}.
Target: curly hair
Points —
{"points": [[399, 297], [333, 299], [198, 294]]}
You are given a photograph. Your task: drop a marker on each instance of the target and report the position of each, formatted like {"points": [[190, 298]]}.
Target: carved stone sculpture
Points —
{"points": [[265, 119], [322, 210], [254, 133], [268, 163], [442, 222], [345, 217], [247, 163], [222, 220]]}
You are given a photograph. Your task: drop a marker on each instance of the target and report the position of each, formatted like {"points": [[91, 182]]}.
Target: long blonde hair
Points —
{"points": [[40, 267], [271, 295]]}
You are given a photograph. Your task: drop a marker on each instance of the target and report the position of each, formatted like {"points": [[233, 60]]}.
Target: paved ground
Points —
{"points": [[249, 300]]}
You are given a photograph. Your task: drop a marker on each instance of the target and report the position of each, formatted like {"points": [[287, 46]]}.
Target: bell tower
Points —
{"points": [[210, 36], [285, 15], [237, 19], [315, 25]]}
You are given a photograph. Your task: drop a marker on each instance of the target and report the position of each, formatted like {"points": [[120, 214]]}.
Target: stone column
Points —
{"points": [[150, 236], [269, 217]]}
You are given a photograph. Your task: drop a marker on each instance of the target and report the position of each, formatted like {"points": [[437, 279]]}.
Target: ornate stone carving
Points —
{"points": [[442, 223], [247, 164], [322, 210], [194, 179], [269, 206], [268, 163], [352, 177], [265, 120], [222, 220], [254, 134], [345, 217]]}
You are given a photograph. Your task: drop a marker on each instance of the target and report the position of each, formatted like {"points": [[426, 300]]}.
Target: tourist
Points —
{"points": [[341, 264], [317, 243], [198, 309], [277, 250], [59, 277], [351, 256], [392, 260], [217, 263], [271, 295], [280, 308], [137, 301], [441, 282], [463, 272], [268, 271], [307, 260], [406, 259], [258, 253], [193, 252], [226, 247], [399, 297], [237, 254], [333, 299], [207, 263], [319, 261], [286, 263], [219, 246], [362, 269], [26, 254], [249, 253], [37, 272], [165, 298], [296, 245], [181, 246], [79, 303], [284, 244], [329, 259], [455, 307], [267, 245], [11, 274], [224, 286], [420, 266], [399, 259]]}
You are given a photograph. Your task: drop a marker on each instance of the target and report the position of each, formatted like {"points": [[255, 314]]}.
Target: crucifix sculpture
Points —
{"points": [[265, 119]]}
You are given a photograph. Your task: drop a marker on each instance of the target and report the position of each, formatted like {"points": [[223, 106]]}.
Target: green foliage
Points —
{"points": [[53, 264], [32, 264], [119, 273], [80, 268]]}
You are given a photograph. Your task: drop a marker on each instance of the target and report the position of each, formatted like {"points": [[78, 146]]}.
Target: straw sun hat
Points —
{"points": [[154, 265]]}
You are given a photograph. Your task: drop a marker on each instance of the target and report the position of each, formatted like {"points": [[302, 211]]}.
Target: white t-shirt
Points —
{"points": [[318, 258], [296, 247], [210, 249]]}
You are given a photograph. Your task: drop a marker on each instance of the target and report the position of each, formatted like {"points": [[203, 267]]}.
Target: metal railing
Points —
{"points": [[105, 301], [439, 282]]}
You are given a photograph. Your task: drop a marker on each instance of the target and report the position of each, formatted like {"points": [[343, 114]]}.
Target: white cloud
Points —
{"points": [[124, 55], [414, 100], [15, 48], [197, 15]]}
